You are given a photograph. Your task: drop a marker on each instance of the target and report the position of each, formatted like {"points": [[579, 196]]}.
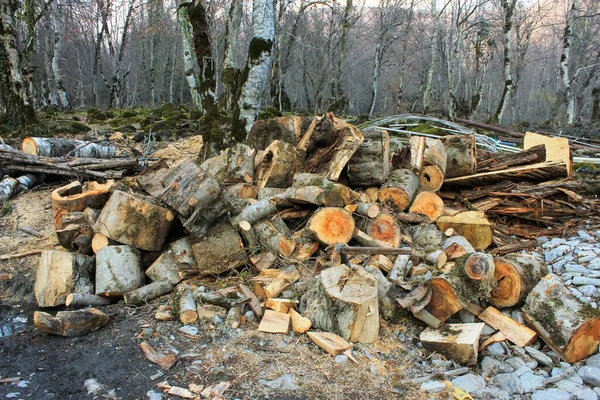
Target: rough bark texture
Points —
{"points": [[370, 164], [288, 129], [175, 264], [276, 166], [399, 189], [460, 155], [118, 270], [234, 165], [70, 323], [144, 294], [517, 275], [60, 147], [222, 250]]}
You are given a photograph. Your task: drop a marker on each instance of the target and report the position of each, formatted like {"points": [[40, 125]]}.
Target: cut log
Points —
{"points": [[234, 165], [437, 258], [370, 164], [300, 324], [428, 161], [99, 241], [77, 197], [187, 308], [280, 305], [70, 323], [479, 266], [330, 342], [514, 331], [118, 270], [152, 179], [368, 210], [289, 129], [304, 250], [275, 322], [8, 188], [443, 303], [400, 188], [344, 302], [60, 147], [473, 225], [382, 262], [276, 166], [242, 191], [204, 217], [267, 192], [91, 216], [144, 294], [86, 299], [417, 150], [429, 204], [222, 250], [458, 342], [260, 210], [372, 194], [76, 238], [321, 132], [410, 218], [457, 246], [460, 155], [383, 228], [135, 221], [500, 161], [254, 303], [368, 241], [175, 264], [164, 313], [60, 273], [284, 279], [570, 327], [273, 237], [517, 275], [334, 192], [557, 149], [330, 225], [263, 260]]}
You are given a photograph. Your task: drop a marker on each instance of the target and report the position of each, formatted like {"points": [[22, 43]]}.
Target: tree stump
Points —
{"points": [[60, 273], [77, 197], [429, 204], [135, 221], [330, 225], [220, 251], [570, 327], [383, 227], [276, 166], [118, 270], [70, 323], [370, 164], [460, 155], [60, 147], [473, 225], [344, 302], [517, 275], [399, 189], [175, 264]]}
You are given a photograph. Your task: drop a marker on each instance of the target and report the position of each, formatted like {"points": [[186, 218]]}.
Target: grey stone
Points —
{"points": [[583, 234], [538, 356], [532, 364], [590, 375], [441, 363], [569, 386], [487, 330], [469, 382], [576, 268], [589, 290], [531, 382], [495, 349], [217, 320], [542, 239], [509, 382], [556, 252], [551, 394], [586, 394], [586, 258], [518, 316], [524, 370], [515, 362], [489, 364], [593, 361], [559, 265], [553, 243], [341, 358], [284, 382], [433, 386], [465, 316], [189, 330], [152, 395], [593, 304], [492, 394], [250, 316], [597, 390], [594, 264]]}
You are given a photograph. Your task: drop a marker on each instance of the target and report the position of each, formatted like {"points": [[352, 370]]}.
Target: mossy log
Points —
{"points": [[344, 302], [570, 327], [457, 246], [288, 129], [220, 251], [334, 194], [383, 228], [135, 220], [460, 155], [78, 197], [517, 274], [174, 264], [276, 166], [473, 225], [60, 147], [144, 294], [70, 323], [118, 270], [330, 225], [400, 188], [429, 204], [60, 273], [234, 165], [370, 164]]}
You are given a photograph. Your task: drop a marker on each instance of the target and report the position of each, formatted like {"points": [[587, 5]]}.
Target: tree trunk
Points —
{"points": [[400, 188], [70, 323], [508, 6], [58, 48], [60, 147], [428, 93], [118, 270], [370, 165], [517, 275], [565, 61], [234, 165], [231, 72], [189, 56], [144, 294]]}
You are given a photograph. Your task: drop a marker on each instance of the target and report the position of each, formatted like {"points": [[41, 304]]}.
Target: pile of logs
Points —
{"points": [[286, 205]]}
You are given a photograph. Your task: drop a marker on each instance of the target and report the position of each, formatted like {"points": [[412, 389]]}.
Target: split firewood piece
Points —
{"points": [[280, 305], [86, 299], [383, 228], [368, 241], [473, 225], [321, 132], [70, 323], [517, 275], [118, 270], [60, 273], [500, 161], [90, 216], [460, 155], [304, 250], [331, 194], [78, 197], [99, 241], [571, 328], [135, 221], [428, 161], [254, 302], [330, 342], [175, 264], [220, 251], [458, 342], [495, 338], [514, 331], [250, 215], [263, 260], [164, 313], [241, 191], [152, 179], [479, 266], [300, 324], [345, 302], [275, 322], [369, 210], [274, 236], [372, 194], [290, 129], [329, 225], [60, 147], [144, 294], [557, 149], [370, 164], [382, 262], [76, 237], [429, 204], [276, 166], [165, 361], [234, 165], [187, 310], [457, 246], [437, 258], [400, 188], [204, 217], [295, 214], [284, 279]]}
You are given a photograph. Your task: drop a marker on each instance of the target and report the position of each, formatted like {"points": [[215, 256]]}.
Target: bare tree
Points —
{"points": [[508, 8], [58, 49]]}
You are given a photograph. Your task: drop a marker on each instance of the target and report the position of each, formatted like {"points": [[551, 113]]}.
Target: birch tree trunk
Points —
{"points": [[565, 58], [231, 72], [189, 56], [508, 7], [58, 48], [48, 55], [374, 83], [434, 45]]}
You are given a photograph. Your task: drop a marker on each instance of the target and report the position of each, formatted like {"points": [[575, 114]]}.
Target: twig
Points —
{"points": [[454, 372], [565, 374], [30, 231], [20, 255]]}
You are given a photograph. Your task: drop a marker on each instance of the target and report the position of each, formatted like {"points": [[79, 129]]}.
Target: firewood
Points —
{"points": [[77, 197], [60, 147], [144, 294], [280, 305], [295, 214], [400, 188], [273, 236], [70, 323], [458, 342], [344, 302], [368, 241], [333, 194], [276, 166], [557, 149], [411, 218], [284, 279], [154, 178], [428, 161], [263, 260], [382, 262], [321, 132], [289, 129], [8, 188], [267, 192], [517, 275], [214, 299], [437, 258], [457, 246], [118, 270], [300, 324], [254, 302], [329, 225], [186, 303], [424, 316], [369, 210], [372, 194], [100, 241], [330, 342], [76, 237], [479, 266], [275, 322], [253, 213], [135, 221], [429, 204], [304, 250], [86, 299], [570, 327], [91, 216], [370, 163], [165, 361], [500, 161], [495, 338], [234, 165], [60, 273], [473, 225], [164, 313], [175, 264], [220, 251], [517, 333], [241, 191], [383, 228], [460, 155]]}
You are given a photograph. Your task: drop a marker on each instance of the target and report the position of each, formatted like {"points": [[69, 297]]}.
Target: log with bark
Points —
{"points": [[473, 225], [186, 304], [220, 251], [429, 204], [289, 129], [100, 241], [399, 189], [369, 210], [234, 165], [344, 302], [77, 197], [500, 161], [460, 155], [570, 327], [273, 235], [174, 264], [383, 228], [86, 299], [370, 164], [144, 294], [135, 220], [517, 275], [75, 233], [333, 194], [459, 342], [118, 270], [428, 161], [10, 186], [457, 246], [61, 147], [70, 323], [253, 213], [329, 225], [276, 166], [59, 273]]}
